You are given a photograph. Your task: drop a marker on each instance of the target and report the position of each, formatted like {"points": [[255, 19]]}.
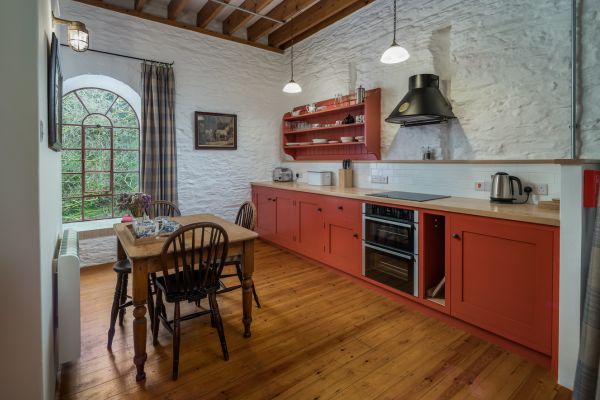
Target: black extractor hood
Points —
{"points": [[424, 104]]}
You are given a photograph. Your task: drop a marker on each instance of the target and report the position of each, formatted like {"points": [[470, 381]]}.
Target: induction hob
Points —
{"points": [[408, 196]]}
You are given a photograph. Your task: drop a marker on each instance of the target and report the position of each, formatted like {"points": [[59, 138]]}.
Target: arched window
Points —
{"points": [[101, 153]]}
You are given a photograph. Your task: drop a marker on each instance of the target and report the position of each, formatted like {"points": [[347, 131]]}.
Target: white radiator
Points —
{"points": [[68, 328]]}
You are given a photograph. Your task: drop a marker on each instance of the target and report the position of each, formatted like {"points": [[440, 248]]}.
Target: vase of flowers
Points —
{"points": [[136, 203]]}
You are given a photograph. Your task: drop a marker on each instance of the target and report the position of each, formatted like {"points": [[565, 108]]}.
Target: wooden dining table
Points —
{"points": [[145, 259]]}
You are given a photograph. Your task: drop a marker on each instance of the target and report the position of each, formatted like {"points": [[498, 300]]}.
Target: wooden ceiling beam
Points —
{"points": [[139, 5], [329, 21], [208, 13], [166, 21], [175, 8], [237, 19], [310, 18], [283, 11]]}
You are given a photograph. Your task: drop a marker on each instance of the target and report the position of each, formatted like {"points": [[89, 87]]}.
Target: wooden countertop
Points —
{"points": [[463, 205]]}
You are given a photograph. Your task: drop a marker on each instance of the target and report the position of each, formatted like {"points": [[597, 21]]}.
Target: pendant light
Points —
{"points": [[396, 53], [292, 86]]}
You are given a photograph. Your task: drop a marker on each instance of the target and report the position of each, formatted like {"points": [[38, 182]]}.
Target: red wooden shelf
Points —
{"points": [[322, 128], [369, 149]]}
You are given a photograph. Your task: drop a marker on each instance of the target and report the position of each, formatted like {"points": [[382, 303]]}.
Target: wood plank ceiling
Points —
{"points": [[258, 30]]}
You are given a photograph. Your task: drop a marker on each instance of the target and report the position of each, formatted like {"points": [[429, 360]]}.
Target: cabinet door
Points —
{"points": [[502, 278], [287, 218], [265, 208], [310, 226], [343, 247]]}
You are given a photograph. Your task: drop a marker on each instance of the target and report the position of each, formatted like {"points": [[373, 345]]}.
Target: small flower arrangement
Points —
{"points": [[136, 203]]}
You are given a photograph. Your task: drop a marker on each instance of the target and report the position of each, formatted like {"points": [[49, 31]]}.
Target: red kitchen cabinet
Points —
{"points": [[502, 278], [343, 226], [266, 212], [311, 238], [286, 220]]}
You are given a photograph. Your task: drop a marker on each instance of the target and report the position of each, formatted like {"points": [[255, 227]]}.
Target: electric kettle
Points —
{"points": [[502, 187]]}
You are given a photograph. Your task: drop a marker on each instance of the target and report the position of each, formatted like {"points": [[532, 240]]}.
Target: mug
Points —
{"points": [[360, 119], [311, 108]]}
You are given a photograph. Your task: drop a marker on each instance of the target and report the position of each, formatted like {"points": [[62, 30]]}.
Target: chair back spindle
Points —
{"points": [[246, 216], [163, 208]]}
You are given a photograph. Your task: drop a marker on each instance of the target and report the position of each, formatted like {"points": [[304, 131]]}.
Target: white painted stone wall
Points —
{"points": [[211, 75], [506, 63]]}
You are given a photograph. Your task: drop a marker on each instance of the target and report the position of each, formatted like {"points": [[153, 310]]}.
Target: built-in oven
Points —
{"points": [[391, 246]]}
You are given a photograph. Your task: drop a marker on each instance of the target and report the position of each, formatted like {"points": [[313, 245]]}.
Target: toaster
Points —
{"points": [[281, 174]]}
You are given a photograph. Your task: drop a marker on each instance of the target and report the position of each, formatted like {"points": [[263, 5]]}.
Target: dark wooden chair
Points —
{"points": [[246, 217], [192, 261], [163, 208], [123, 268]]}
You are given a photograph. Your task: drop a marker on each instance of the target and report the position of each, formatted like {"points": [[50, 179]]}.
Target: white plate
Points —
{"points": [[333, 141], [319, 141]]}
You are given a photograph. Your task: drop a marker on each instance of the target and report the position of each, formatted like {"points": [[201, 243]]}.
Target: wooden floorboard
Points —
{"points": [[319, 335]]}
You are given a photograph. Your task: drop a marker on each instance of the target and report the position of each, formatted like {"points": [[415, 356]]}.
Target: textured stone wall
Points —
{"points": [[211, 75], [506, 67]]}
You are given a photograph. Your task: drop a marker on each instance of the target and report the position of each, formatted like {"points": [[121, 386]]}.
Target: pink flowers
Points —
{"points": [[136, 203]]}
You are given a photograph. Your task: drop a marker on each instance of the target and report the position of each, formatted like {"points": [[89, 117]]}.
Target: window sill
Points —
{"points": [[92, 229]]}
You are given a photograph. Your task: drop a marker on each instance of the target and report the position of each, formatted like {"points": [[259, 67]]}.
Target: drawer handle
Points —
{"points": [[456, 236], [355, 235], [340, 207], [319, 209]]}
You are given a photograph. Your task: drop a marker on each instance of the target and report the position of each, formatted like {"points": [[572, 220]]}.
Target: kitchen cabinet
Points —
{"points": [[265, 202], [343, 227], [310, 225], [285, 218], [502, 278]]}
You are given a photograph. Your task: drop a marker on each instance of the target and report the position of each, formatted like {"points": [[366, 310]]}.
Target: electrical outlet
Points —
{"points": [[379, 179], [483, 186], [540, 188], [298, 175]]}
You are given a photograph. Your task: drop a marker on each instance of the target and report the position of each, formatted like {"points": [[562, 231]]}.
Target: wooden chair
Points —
{"points": [[246, 217], [192, 261], [163, 208], [123, 268]]}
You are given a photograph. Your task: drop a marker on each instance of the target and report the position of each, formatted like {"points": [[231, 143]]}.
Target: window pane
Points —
{"points": [[73, 111], [121, 114], [71, 185], [118, 212], [97, 207], [97, 182], [71, 210], [126, 182], [96, 100], [71, 137], [71, 160], [97, 160], [97, 119], [97, 138], [126, 161], [126, 138]]}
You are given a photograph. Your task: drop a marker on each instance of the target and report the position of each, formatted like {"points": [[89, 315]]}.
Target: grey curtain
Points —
{"points": [[159, 150], [587, 380]]}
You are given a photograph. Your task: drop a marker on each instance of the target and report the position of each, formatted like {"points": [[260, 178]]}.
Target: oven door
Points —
{"points": [[393, 269], [394, 235]]}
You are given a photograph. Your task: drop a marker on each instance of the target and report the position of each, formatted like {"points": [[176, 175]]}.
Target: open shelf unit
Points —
{"points": [[434, 260], [299, 129]]}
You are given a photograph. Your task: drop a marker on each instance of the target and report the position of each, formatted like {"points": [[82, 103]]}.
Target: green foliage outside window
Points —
{"points": [[100, 157]]}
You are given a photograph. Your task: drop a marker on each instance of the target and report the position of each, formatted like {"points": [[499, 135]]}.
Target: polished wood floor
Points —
{"points": [[318, 336]]}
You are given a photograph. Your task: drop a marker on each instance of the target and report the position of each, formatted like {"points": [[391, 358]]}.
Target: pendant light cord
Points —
{"points": [[292, 24], [395, 13]]}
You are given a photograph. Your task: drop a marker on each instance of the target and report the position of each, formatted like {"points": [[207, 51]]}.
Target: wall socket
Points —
{"points": [[540, 188], [379, 179], [483, 186]]}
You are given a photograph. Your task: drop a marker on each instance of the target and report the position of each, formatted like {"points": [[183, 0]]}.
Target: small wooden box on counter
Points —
{"points": [[345, 178]]}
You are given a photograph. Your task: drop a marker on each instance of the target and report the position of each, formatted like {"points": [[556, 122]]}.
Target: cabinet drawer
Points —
{"points": [[343, 210]]}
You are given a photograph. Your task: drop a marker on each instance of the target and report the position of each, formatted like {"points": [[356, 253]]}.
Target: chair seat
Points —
{"points": [[122, 266], [191, 295]]}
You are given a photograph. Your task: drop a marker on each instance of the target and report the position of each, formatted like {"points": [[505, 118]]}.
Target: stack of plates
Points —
{"points": [[319, 141]]}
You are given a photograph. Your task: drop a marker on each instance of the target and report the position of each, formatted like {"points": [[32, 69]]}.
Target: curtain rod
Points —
{"points": [[126, 56]]}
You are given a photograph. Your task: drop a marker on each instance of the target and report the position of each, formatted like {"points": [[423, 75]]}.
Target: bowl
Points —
{"points": [[347, 139], [333, 141], [319, 141], [359, 138]]}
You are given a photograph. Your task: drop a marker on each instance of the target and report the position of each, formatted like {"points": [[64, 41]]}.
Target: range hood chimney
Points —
{"points": [[424, 104]]}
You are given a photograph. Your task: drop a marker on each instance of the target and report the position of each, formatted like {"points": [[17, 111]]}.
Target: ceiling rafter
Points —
{"points": [[310, 18], [284, 10], [166, 21], [208, 13], [175, 8], [325, 23], [237, 19]]}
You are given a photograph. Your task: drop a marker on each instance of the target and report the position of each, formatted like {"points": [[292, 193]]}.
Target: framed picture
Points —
{"points": [[216, 131], [55, 82]]}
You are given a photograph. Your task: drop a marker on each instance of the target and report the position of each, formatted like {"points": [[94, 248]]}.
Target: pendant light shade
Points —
{"points": [[395, 53], [292, 87]]}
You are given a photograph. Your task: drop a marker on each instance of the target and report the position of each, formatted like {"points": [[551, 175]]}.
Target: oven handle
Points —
{"points": [[401, 255], [386, 221]]}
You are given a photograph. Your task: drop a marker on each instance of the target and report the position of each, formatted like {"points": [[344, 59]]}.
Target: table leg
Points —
{"points": [[247, 283], [140, 295]]}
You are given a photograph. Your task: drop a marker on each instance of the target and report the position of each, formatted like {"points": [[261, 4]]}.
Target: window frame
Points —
{"points": [[83, 149]]}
